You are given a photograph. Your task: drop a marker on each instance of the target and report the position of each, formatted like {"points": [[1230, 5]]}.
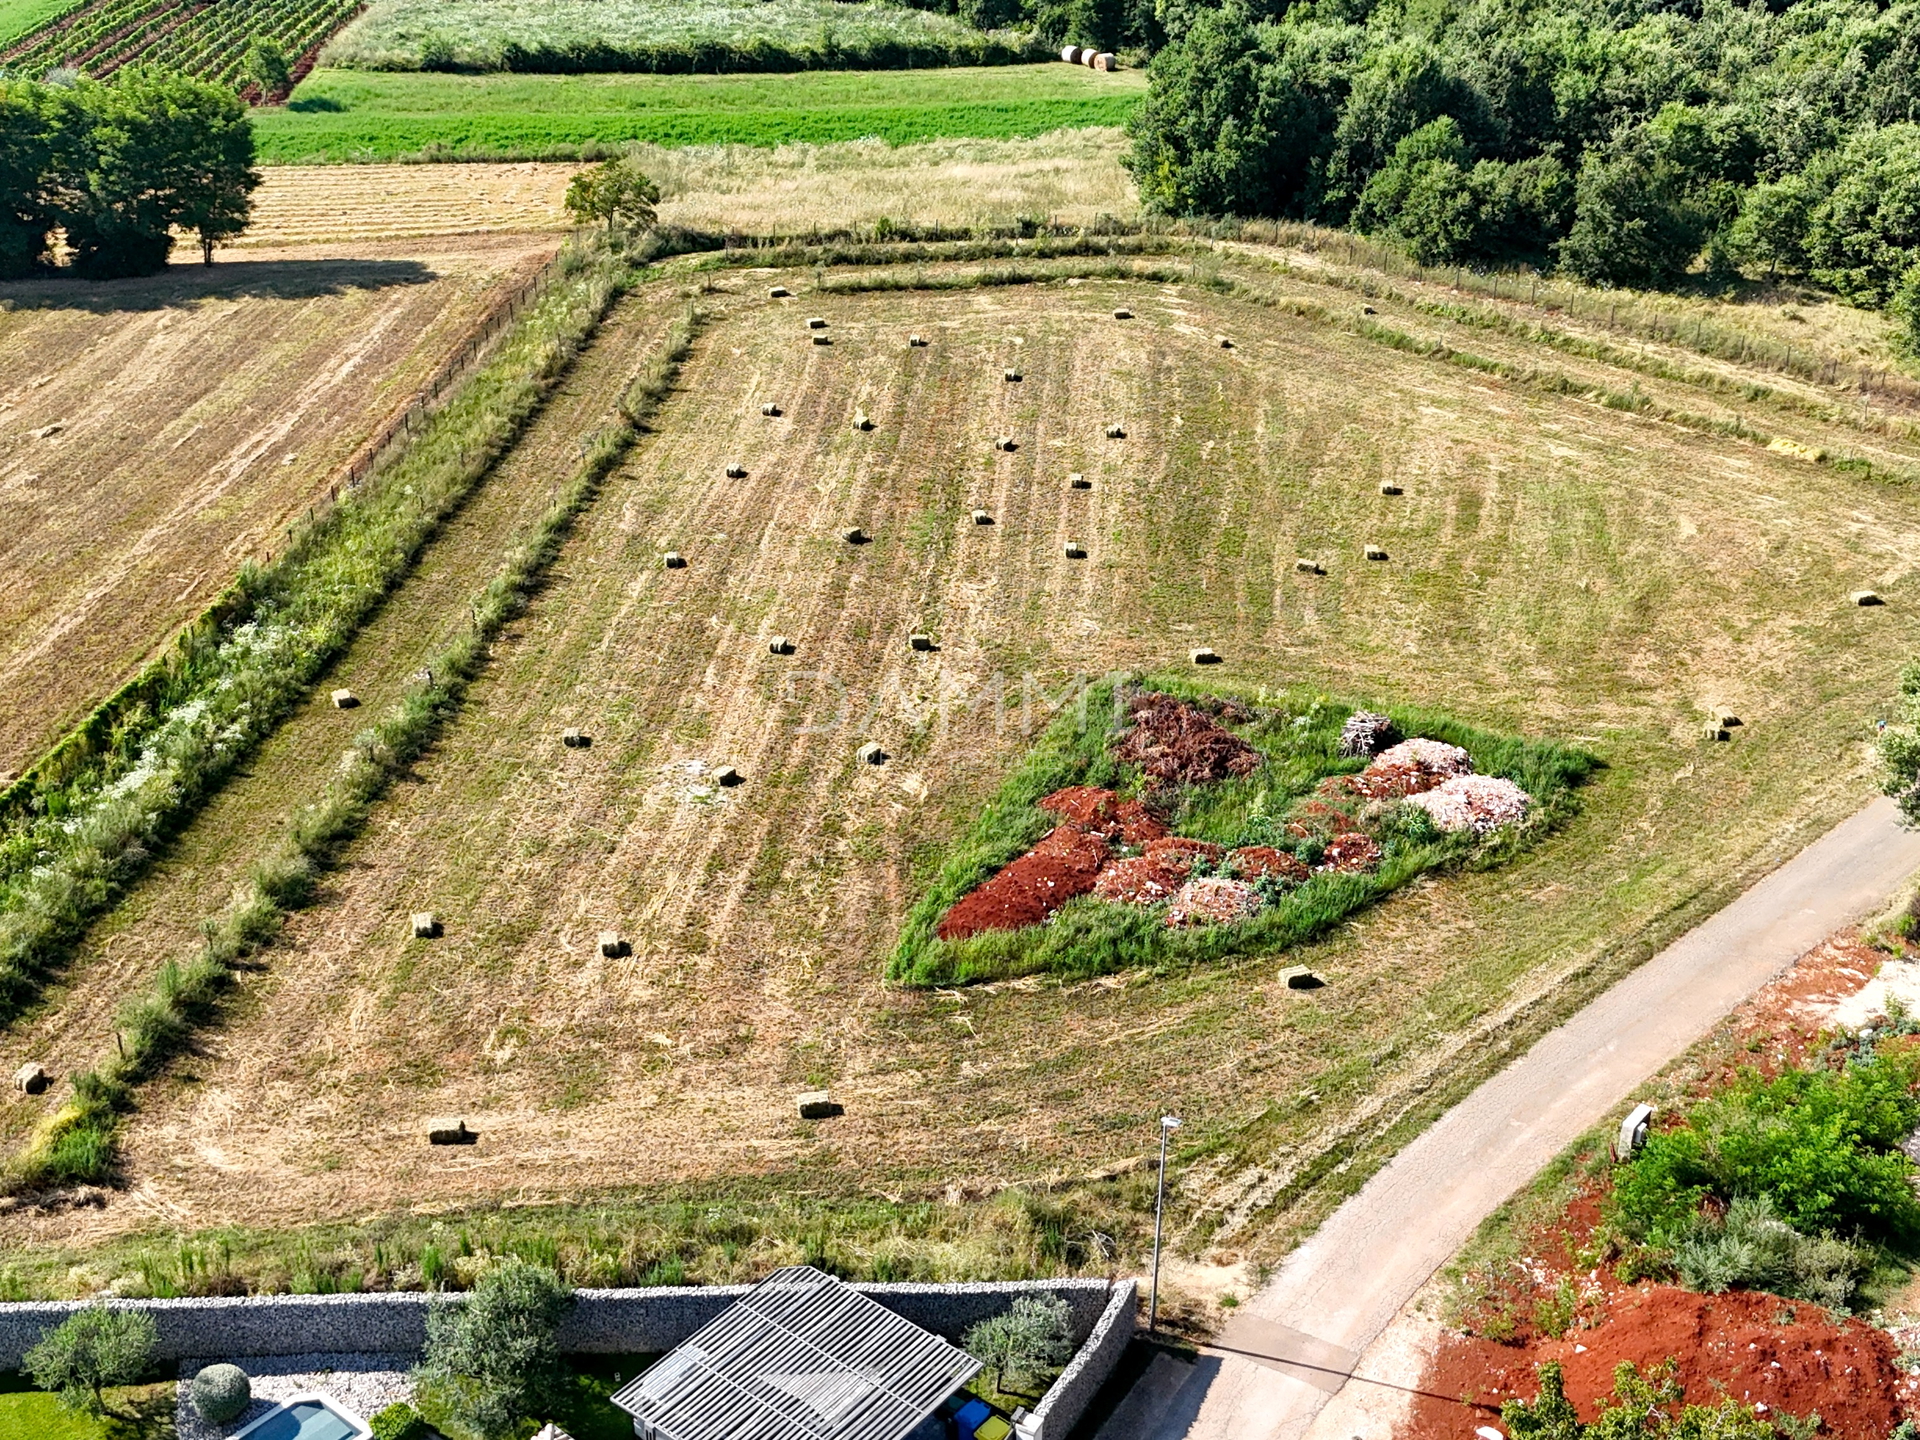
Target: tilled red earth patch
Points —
{"points": [[1061, 866]]}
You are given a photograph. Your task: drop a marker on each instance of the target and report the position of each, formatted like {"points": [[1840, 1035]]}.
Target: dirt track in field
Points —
{"points": [[160, 921], [154, 434], [1557, 567]]}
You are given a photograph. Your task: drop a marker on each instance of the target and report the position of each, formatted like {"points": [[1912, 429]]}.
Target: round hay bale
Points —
{"points": [[1071, 54], [1106, 60]]}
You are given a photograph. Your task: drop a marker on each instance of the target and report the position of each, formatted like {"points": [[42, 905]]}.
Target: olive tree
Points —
{"points": [[90, 1350], [494, 1360], [1026, 1345]]}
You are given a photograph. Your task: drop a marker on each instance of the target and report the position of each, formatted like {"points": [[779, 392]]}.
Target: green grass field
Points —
{"points": [[339, 116], [17, 17]]}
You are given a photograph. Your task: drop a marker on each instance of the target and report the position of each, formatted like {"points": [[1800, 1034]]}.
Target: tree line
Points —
{"points": [[1624, 142], [118, 168]]}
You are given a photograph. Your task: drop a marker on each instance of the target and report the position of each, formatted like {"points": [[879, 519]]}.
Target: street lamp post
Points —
{"points": [[1168, 1124]]}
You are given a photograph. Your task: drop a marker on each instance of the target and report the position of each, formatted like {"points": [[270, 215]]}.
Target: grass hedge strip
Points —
{"points": [[76, 842], [76, 1143]]}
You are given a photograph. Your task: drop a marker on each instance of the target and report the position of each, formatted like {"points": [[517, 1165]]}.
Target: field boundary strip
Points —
{"points": [[76, 1143], [231, 678], [85, 741]]}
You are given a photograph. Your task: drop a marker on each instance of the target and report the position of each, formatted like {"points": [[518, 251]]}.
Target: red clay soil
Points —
{"points": [[1384, 782], [1740, 1344], [1143, 880], [1257, 862], [1176, 743], [1786, 1354], [1351, 853], [1179, 850], [1103, 813], [1064, 864]]}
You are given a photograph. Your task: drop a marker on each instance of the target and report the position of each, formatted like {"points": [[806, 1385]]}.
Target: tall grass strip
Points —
{"points": [[76, 1143], [667, 37], [232, 678]]}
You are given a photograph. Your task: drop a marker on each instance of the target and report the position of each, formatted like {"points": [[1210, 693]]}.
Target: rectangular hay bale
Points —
{"points": [[345, 700], [817, 1105], [613, 946], [1205, 656], [426, 925]]}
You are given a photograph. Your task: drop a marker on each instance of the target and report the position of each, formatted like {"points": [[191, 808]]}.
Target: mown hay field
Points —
{"points": [[1070, 177], [339, 116], [156, 434], [1559, 568]]}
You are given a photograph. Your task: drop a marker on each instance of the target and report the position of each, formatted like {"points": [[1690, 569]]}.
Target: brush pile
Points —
{"points": [[1176, 743]]}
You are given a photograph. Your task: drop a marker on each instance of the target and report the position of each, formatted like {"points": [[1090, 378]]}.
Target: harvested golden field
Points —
{"points": [[1071, 177], [305, 204], [154, 434], [1558, 567]]}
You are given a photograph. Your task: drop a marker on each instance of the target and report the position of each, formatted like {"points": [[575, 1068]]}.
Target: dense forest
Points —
{"points": [[1625, 142]]}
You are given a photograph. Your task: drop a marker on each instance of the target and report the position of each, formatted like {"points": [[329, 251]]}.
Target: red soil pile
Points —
{"points": [[1786, 1354], [1103, 813], [1176, 743], [1351, 854], [1317, 817], [1257, 862], [1740, 1344], [1144, 880], [1064, 864], [1179, 850]]}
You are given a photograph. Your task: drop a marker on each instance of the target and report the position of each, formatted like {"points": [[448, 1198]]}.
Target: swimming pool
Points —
{"points": [[306, 1417]]}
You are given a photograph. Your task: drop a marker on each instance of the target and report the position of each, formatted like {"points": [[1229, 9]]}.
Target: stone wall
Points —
{"points": [[606, 1321]]}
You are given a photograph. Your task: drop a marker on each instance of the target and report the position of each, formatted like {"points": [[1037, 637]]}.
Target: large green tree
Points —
{"points": [[26, 154], [139, 157], [91, 1350]]}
